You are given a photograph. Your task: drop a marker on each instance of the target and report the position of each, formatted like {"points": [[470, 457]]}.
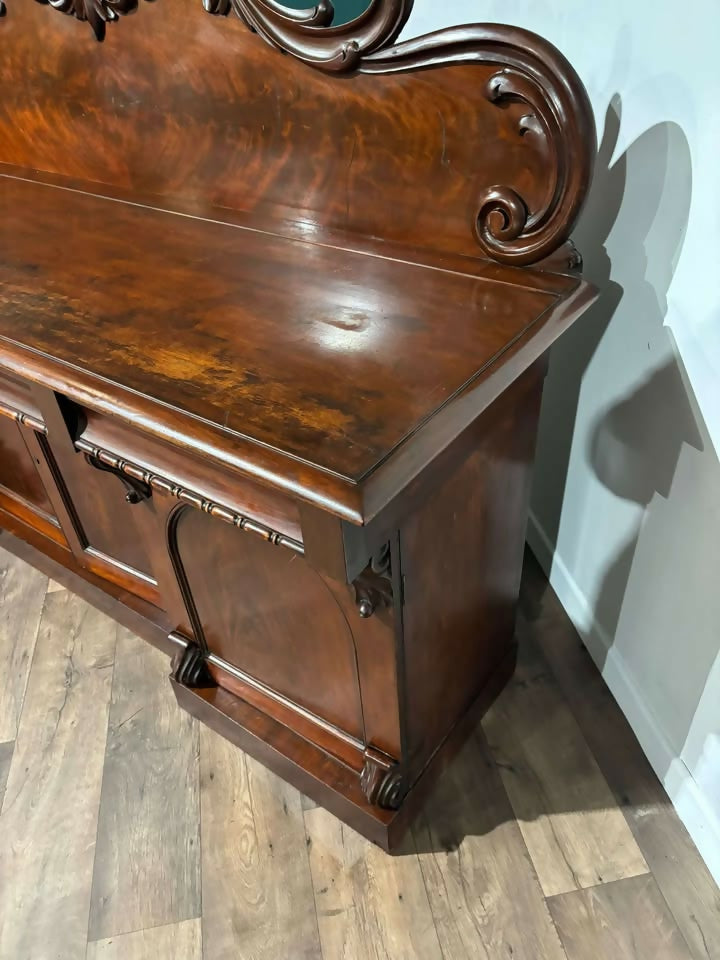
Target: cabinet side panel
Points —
{"points": [[461, 559]]}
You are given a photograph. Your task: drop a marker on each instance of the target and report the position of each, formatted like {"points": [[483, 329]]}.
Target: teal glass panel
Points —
{"points": [[345, 10]]}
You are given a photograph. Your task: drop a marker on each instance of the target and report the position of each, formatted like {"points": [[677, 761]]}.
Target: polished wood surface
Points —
{"points": [[273, 335], [490, 153], [18, 473], [253, 600], [467, 593], [281, 876], [365, 360]]}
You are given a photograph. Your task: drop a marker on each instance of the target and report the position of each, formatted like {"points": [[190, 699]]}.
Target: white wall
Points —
{"points": [[626, 503]]}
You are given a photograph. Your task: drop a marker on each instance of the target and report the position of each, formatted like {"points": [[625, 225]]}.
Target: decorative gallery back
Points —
{"points": [[490, 155]]}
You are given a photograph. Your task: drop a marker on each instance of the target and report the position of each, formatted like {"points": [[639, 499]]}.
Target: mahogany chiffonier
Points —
{"points": [[273, 335]]}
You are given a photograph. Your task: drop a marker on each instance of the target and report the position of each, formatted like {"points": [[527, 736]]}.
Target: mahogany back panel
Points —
{"points": [[197, 110]]}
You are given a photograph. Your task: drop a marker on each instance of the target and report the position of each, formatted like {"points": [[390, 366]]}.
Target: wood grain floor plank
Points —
{"points": [[54, 587], [624, 920], [369, 905], [49, 815], [6, 752], [22, 594], [678, 868], [147, 861], [575, 832], [175, 941], [484, 893], [257, 888]]}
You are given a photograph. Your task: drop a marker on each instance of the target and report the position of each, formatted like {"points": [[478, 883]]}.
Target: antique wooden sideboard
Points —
{"points": [[273, 335]]}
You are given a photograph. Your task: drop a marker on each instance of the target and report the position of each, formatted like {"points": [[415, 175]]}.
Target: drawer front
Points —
{"points": [[190, 477], [166, 480], [124, 485]]}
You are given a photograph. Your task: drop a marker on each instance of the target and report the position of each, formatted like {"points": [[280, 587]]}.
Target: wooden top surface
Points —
{"points": [[331, 356]]}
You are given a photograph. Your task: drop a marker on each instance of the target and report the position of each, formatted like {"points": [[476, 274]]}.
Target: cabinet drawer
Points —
{"points": [[188, 477]]}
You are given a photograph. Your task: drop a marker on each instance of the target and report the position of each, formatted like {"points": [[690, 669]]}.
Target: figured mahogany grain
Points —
{"points": [[461, 560], [371, 348], [184, 105], [265, 610]]}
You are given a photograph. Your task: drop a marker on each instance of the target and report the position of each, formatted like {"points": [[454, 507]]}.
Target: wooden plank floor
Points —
{"points": [[126, 831]]}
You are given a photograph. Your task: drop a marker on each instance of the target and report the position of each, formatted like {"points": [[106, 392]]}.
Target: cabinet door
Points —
{"points": [[277, 624], [22, 493], [23, 460], [111, 519]]}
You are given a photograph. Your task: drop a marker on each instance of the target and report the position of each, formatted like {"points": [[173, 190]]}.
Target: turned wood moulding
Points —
{"points": [[518, 222]]}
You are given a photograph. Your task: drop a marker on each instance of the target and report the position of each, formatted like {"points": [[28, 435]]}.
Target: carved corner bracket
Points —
{"points": [[373, 587], [381, 780]]}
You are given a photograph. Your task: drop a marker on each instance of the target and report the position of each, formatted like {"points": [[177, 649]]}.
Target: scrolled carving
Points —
{"points": [[136, 491], [334, 49], [532, 72], [189, 667], [502, 217], [382, 781], [529, 71], [98, 13], [508, 226]]}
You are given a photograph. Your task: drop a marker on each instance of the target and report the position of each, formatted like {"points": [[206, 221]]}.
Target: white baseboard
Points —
{"points": [[699, 812]]}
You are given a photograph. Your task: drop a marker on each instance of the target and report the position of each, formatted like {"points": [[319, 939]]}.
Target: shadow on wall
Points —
{"points": [[649, 446], [635, 445], [634, 450], [573, 352]]}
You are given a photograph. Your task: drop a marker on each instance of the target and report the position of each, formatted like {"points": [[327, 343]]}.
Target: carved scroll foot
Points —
{"points": [[190, 668], [381, 781]]}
